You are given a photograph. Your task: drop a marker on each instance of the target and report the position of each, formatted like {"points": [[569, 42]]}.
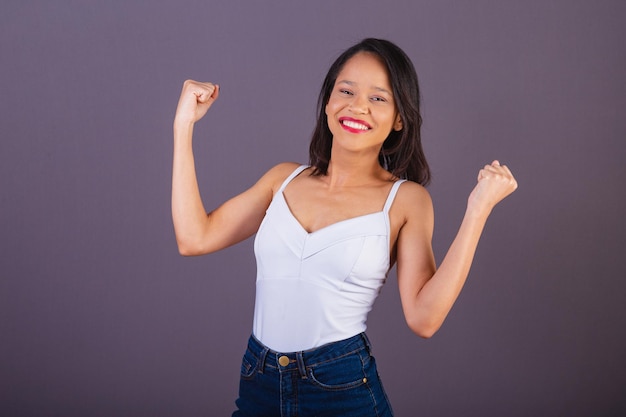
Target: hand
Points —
{"points": [[495, 182], [195, 100]]}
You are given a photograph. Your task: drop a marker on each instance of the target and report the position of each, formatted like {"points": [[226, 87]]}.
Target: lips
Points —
{"points": [[354, 125]]}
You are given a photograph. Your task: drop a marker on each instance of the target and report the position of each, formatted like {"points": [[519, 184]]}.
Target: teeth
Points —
{"points": [[355, 125]]}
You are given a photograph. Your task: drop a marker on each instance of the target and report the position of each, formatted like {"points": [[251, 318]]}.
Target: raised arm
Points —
{"points": [[428, 295], [199, 232]]}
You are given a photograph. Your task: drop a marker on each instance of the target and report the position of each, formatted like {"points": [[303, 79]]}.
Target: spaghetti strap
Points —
{"points": [[392, 195], [292, 176]]}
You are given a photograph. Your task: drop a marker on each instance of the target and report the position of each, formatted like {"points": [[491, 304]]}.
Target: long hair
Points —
{"points": [[401, 153]]}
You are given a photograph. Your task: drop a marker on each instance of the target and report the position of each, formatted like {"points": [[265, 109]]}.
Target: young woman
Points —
{"points": [[327, 234]]}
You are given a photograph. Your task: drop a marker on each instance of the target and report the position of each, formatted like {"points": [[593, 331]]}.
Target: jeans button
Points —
{"points": [[283, 361]]}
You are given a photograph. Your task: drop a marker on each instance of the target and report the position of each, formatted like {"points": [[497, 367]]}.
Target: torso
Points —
{"points": [[317, 276]]}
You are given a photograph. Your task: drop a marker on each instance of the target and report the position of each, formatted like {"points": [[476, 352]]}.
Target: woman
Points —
{"points": [[327, 235]]}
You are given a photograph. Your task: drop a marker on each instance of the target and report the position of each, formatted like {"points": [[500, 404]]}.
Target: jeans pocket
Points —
{"points": [[340, 374], [249, 365]]}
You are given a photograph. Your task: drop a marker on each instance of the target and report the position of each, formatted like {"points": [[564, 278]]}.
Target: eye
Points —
{"points": [[345, 92], [379, 99]]}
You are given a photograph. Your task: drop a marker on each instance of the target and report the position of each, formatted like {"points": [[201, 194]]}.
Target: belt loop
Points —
{"points": [[301, 367], [262, 357], [366, 340]]}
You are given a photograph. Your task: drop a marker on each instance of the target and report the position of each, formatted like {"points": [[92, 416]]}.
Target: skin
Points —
{"points": [[355, 185]]}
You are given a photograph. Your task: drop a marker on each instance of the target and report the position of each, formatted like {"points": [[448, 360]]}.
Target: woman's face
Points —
{"points": [[361, 110]]}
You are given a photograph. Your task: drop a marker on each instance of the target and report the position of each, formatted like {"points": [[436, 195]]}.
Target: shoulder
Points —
{"points": [[276, 175], [413, 201], [284, 168], [411, 193]]}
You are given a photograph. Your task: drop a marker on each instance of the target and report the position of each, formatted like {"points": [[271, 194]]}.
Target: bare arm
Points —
{"points": [[198, 232], [428, 295]]}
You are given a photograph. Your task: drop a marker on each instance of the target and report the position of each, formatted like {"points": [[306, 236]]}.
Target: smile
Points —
{"points": [[353, 125]]}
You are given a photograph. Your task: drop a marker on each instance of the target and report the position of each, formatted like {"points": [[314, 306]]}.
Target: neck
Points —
{"points": [[350, 170]]}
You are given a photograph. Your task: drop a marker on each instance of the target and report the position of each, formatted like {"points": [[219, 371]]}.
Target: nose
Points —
{"points": [[359, 105]]}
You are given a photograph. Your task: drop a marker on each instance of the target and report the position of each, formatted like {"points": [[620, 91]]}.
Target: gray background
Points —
{"points": [[100, 316]]}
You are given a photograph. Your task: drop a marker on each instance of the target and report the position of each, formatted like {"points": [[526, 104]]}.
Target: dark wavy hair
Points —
{"points": [[401, 153]]}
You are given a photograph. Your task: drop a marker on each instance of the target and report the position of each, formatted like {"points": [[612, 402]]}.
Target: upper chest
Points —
{"points": [[316, 206]]}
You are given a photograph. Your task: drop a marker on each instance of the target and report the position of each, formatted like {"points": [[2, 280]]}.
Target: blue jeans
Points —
{"points": [[337, 379]]}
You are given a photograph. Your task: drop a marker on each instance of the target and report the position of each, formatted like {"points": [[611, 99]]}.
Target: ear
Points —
{"points": [[397, 125]]}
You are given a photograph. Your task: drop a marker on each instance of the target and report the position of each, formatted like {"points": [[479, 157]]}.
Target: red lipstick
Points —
{"points": [[354, 125]]}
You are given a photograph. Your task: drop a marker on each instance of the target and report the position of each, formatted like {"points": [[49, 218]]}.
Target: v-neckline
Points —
{"points": [[332, 225]]}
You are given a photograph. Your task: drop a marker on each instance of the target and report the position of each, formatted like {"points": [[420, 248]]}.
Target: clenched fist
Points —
{"points": [[195, 100], [495, 182]]}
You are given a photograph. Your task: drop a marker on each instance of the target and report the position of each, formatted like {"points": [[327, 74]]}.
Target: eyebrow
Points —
{"points": [[352, 83]]}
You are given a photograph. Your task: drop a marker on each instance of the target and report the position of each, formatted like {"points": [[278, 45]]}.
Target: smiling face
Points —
{"points": [[361, 111]]}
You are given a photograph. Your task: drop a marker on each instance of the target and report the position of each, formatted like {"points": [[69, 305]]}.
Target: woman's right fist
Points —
{"points": [[195, 100]]}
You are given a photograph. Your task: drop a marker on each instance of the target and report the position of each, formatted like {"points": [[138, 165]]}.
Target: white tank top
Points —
{"points": [[316, 288]]}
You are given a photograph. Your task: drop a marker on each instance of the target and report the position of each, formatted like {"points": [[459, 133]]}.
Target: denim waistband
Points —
{"points": [[287, 361]]}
